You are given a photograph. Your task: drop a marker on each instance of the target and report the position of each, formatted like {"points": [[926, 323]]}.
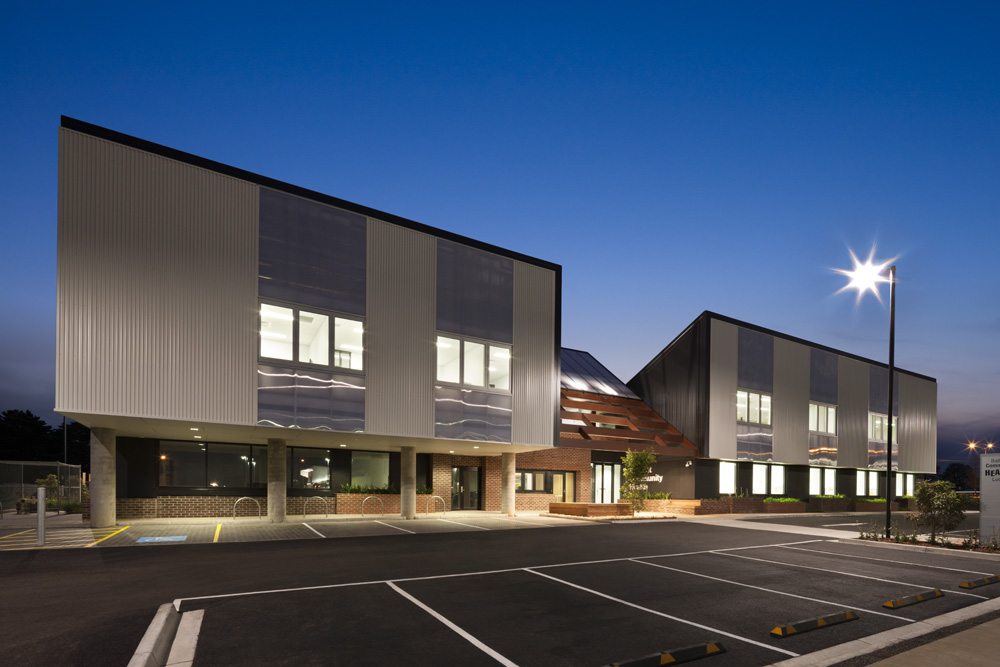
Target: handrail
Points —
{"points": [[326, 504], [371, 498], [444, 508], [246, 498]]}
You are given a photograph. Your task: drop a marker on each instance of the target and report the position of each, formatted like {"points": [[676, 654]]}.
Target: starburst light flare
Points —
{"points": [[865, 276]]}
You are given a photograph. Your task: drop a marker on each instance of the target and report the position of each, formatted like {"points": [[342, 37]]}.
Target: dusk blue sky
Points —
{"points": [[672, 157]]}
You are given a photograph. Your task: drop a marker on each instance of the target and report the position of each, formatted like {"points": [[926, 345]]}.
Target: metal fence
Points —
{"points": [[18, 480]]}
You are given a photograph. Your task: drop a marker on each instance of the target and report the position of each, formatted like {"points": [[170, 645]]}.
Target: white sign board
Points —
{"points": [[989, 500]]}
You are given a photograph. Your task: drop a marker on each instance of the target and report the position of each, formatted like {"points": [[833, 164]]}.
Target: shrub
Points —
{"points": [[636, 468], [938, 508], [836, 495], [361, 488], [72, 507], [658, 496], [781, 499], [869, 500]]}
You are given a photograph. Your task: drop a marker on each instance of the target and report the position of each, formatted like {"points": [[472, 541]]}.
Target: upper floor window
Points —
{"points": [[753, 408], [473, 363], [822, 419], [307, 337], [878, 428]]}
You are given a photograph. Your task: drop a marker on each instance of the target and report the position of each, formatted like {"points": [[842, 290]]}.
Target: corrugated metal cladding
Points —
{"points": [[791, 402], [534, 365], [852, 413], [157, 286], [579, 370], [399, 335], [723, 339], [918, 424]]}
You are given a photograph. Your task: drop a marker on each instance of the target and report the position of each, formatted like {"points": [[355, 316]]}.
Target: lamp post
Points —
{"points": [[864, 277], [987, 449]]}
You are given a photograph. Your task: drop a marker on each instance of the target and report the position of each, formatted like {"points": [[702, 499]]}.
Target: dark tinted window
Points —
{"points": [[475, 293]]}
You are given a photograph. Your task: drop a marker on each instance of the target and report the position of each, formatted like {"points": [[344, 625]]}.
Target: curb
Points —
{"points": [[861, 647], [155, 645], [925, 549]]}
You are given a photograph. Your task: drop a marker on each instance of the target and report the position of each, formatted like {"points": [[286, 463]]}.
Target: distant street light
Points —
{"points": [[866, 277]]}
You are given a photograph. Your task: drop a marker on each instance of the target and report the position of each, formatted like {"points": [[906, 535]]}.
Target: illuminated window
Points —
{"points": [[759, 479], [472, 363], [753, 408], [829, 482], [815, 481], [823, 419], [727, 477], [862, 485], [872, 483], [304, 336], [878, 428], [777, 480]]}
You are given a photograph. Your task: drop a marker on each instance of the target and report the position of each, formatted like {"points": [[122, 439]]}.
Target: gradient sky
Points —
{"points": [[672, 157]]}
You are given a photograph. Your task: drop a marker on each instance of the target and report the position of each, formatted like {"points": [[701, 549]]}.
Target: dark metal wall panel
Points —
{"points": [[475, 292], [917, 424], [755, 360], [675, 384], [852, 413], [400, 331], [157, 286], [878, 391], [791, 401], [311, 253], [534, 363], [823, 376], [580, 371], [724, 354]]}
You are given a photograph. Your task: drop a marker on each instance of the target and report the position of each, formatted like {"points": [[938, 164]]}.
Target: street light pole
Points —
{"points": [[892, 372]]}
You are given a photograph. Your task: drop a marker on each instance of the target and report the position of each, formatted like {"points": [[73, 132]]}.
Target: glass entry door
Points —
{"points": [[465, 489], [605, 482], [564, 487]]}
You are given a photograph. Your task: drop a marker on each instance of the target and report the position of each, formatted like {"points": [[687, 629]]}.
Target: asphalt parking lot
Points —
{"points": [[593, 612]]}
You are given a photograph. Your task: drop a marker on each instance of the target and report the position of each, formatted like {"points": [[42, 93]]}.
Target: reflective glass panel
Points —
{"points": [[448, 359], [182, 463], [348, 343], [475, 364], [314, 338], [499, 367], [228, 466], [309, 468], [370, 468], [276, 324]]}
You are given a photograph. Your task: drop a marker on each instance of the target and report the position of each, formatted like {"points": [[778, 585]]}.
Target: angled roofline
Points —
{"points": [[709, 315], [264, 181]]}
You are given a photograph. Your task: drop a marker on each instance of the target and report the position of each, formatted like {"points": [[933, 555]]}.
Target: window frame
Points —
{"points": [[827, 407], [761, 395], [332, 350], [874, 431], [488, 347]]}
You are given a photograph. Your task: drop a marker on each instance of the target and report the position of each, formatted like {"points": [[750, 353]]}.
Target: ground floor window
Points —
{"points": [[211, 465], [727, 477], [370, 469], [777, 480], [759, 479], [872, 483], [605, 482], [904, 484], [822, 481], [560, 483]]}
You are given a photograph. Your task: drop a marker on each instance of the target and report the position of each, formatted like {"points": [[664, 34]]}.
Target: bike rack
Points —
{"points": [[371, 498], [326, 505], [444, 508], [246, 498]]}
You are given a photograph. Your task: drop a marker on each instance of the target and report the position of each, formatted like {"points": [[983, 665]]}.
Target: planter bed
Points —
{"points": [[785, 508], [591, 509]]}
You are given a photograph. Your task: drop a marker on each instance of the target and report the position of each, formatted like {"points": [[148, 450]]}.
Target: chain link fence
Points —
{"points": [[17, 480]]}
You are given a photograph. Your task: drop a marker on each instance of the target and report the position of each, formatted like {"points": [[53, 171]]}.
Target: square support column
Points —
{"points": [[508, 466], [408, 482], [277, 486], [103, 505]]}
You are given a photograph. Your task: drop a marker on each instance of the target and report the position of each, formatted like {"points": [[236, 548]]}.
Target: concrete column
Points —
{"points": [[408, 483], [507, 467], [103, 510], [277, 486]]}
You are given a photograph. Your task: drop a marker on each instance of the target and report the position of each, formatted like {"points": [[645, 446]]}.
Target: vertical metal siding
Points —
{"points": [[722, 388], [791, 402], [534, 365], [852, 413], [399, 336], [917, 424], [157, 286]]}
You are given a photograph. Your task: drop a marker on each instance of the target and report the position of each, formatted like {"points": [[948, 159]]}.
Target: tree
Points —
{"points": [[636, 468], [939, 508], [23, 436], [958, 474]]}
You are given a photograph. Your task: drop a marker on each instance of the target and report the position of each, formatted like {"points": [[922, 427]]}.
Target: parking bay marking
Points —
{"points": [[462, 633], [660, 613], [459, 523], [313, 530], [881, 560], [846, 574], [396, 527], [771, 590]]}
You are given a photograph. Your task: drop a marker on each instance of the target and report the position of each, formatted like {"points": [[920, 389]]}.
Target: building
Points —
{"points": [[771, 414], [224, 335], [237, 344]]}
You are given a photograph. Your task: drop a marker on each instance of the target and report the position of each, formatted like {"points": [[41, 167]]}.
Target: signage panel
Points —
{"points": [[989, 500]]}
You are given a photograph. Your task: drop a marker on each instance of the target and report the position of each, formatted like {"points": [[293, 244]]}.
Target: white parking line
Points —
{"points": [[314, 530], [846, 574], [771, 590], [886, 560], [461, 633], [831, 525], [660, 613], [459, 523], [397, 527]]}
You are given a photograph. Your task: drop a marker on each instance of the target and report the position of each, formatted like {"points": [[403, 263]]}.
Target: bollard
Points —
{"points": [[40, 510]]}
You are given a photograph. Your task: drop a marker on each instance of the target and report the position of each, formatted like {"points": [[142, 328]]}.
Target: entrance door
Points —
{"points": [[558, 486], [465, 488], [605, 482]]}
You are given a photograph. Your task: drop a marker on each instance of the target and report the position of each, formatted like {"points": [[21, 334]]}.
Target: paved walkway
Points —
{"points": [[974, 647]]}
